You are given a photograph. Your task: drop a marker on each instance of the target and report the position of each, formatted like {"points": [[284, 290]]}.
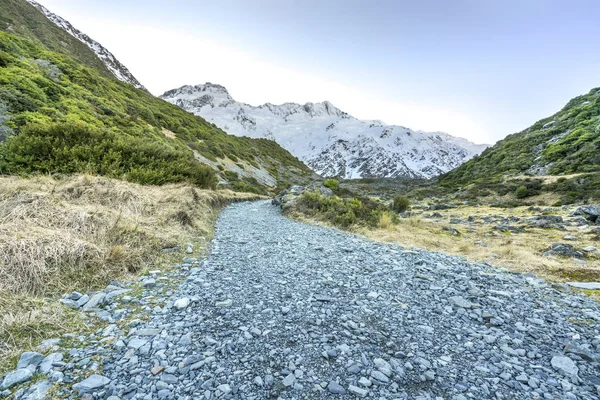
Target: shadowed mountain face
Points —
{"points": [[330, 141]]}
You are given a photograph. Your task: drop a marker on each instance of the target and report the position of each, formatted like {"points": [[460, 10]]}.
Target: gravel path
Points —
{"points": [[281, 309]]}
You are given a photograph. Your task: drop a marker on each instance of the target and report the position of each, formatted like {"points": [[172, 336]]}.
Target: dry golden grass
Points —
{"points": [[386, 220], [520, 252], [77, 234]]}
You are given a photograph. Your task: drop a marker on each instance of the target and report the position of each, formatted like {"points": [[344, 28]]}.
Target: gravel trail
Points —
{"points": [[282, 309]]}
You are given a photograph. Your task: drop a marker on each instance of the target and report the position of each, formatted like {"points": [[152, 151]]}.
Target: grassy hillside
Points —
{"points": [[59, 116], [21, 18], [568, 142]]}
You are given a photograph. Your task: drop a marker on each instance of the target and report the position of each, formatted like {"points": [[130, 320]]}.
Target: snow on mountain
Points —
{"points": [[119, 70], [330, 141]]}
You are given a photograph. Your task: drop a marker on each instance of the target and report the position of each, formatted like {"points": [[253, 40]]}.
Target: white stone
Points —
{"points": [[182, 304], [565, 365]]}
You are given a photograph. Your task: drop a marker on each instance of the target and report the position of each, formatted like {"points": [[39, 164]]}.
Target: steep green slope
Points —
{"points": [[566, 143], [57, 115], [21, 18]]}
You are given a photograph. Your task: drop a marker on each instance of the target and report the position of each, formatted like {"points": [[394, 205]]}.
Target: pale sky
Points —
{"points": [[479, 69]]}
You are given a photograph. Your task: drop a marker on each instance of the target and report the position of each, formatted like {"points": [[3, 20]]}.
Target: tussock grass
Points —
{"points": [[386, 220], [79, 233]]}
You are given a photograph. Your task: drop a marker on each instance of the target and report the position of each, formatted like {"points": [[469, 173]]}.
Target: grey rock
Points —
{"points": [[92, 383], [47, 364], [335, 388], [182, 304], [224, 303], [38, 390], [15, 377], [565, 365], [30, 358], [95, 301]]}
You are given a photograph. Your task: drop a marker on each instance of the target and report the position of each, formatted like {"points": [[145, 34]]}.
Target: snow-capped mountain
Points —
{"points": [[119, 70], [330, 141]]}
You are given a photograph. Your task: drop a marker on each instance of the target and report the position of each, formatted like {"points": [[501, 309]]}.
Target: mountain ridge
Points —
{"points": [[331, 141], [110, 61]]}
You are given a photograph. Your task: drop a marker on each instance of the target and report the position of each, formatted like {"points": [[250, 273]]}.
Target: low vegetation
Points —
{"points": [[57, 236], [341, 212], [400, 203], [332, 184]]}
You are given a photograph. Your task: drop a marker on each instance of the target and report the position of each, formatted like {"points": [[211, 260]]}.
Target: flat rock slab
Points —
{"points": [[15, 377], [585, 285], [92, 383]]}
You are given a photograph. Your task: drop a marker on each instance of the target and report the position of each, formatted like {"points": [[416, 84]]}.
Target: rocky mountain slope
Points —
{"points": [[330, 141], [112, 64], [567, 142]]}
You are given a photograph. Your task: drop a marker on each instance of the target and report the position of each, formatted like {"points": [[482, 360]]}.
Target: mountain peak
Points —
{"points": [[329, 140]]}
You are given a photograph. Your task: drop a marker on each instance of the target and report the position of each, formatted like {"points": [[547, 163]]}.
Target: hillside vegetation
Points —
{"points": [[21, 18], [59, 116], [565, 143]]}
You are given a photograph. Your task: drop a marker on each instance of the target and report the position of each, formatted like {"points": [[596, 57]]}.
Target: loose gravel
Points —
{"points": [[282, 309]]}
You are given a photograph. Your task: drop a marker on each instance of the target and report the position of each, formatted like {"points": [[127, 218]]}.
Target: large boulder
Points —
{"points": [[591, 213], [562, 250]]}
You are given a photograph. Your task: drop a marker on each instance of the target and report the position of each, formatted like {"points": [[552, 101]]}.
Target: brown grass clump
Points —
{"points": [[78, 233]]}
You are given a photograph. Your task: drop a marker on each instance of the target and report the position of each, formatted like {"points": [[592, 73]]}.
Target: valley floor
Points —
{"points": [[283, 309]]}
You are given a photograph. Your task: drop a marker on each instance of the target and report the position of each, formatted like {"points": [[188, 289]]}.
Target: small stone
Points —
{"points": [[358, 391], [149, 283], [224, 303], [95, 301], [380, 376], [38, 390], [364, 382], [48, 362], [91, 384], [182, 304], [224, 388], [30, 358], [157, 369], [335, 388], [289, 380], [460, 302], [569, 237], [585, 285]]}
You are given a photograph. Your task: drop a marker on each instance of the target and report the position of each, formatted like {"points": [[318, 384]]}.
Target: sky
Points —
{"points": [[479, 69]]}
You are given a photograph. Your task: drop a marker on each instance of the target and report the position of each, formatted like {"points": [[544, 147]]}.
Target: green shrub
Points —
{"points": [[400, 204], [77, 147], [340, 212], [332, 184], [521, 192]]}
